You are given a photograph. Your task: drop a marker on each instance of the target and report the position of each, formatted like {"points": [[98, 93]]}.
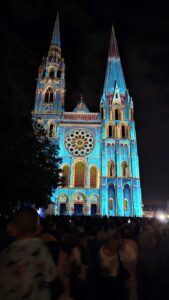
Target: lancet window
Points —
{"points": [[59, 74], [111, 196], [111, 130], [116, 114], [93, 177], [44, 72], [126, 197], [51, 129], [49, 96], [124, 131], [51, 74], [125, 204], [66, 171], [124, 169], [80, 170], [111, 169]]}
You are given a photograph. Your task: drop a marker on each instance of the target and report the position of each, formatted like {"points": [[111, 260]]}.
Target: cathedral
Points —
{"points": [[98, 149]]}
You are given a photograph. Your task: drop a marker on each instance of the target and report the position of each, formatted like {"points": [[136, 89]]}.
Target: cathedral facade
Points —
{"points": [[98, 150]]}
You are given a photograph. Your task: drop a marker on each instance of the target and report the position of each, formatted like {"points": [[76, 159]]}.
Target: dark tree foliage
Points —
{"points": [[29, 169], [29, 166]]}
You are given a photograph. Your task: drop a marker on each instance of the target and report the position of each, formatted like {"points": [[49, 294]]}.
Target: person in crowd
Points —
{"points": [[129, 257], [83, 258], [63, 271], [149, 260], [9, 235], [48, 238], [26, 267], [112, 275], [79, 263]]}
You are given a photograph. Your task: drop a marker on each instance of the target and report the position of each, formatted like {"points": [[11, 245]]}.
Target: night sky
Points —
{"points": [[142, 34]]}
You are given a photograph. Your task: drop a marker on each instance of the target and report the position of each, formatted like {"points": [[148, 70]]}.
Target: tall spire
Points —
{"points": [[81, 106], [114, 72], [56, 33]]}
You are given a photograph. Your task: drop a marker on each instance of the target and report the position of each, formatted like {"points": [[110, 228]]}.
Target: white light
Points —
{"points": [[41, 212], [161, 217]]}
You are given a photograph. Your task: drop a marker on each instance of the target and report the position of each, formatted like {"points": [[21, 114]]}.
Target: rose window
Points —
{"points": [[79, 142], [38, 124]]}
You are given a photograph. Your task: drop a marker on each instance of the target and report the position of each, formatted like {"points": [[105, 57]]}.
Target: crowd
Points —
{"points": [[64, 258]]}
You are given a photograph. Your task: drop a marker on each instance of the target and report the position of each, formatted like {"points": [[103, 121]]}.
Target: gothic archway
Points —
{"points": [[51, 129], [63, 203], [124, 131], [111, 172], [124, 169], [66, 174], [51, 74], [49, 96], [78, 203], [79, 176], [93, 177], [111, 199], [127, 200]]}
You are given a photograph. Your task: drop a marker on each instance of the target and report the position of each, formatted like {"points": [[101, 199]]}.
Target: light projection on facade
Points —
{"points": [[99, 150], [79, 142]]}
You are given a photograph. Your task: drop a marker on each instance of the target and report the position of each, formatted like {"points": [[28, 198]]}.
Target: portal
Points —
{"points": [[62, 209], [93, 209], [78, 209]]}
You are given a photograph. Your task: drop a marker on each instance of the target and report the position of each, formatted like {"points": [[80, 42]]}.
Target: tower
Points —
{"points": [[98, 150], [120, 182], [50, 91]]}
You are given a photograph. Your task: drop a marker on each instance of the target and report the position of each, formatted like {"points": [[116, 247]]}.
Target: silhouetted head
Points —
{"points": [[11, 229], [112, 242], [27, 221]]}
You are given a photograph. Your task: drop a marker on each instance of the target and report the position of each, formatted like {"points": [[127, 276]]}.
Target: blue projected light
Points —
{"points": [[99, 150]]}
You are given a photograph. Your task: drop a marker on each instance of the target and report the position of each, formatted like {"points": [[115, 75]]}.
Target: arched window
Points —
{"points": [[124, 169], [109, 150], [110, 203], [111, 130], [93, 177], [116, 113], [66, 171], [102, 112], [44, 72], [51, 130], [51, 74], [111, 169], [124, 131], [59, 74], [49, 96], [111, 197], [125, 204], [79, 180], [127, 199]]}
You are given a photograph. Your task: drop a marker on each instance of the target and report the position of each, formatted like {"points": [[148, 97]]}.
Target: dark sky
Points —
{"points": [[142, 33]]}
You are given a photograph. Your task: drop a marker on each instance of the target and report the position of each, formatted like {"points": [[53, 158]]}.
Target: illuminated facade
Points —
{"points": [[98, 150]]}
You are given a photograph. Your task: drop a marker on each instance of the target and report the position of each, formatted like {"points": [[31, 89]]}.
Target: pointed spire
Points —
{"points": [[81, 106], [81, 98], [113, 49], [114, 71], [56, 33]]}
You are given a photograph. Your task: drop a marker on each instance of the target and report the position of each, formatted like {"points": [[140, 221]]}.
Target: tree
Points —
{"points": [[29, 167]]}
